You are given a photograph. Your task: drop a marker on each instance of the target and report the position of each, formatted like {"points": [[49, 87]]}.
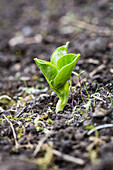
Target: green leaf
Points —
{"points": [[58, 53], [64, 60], [58, 71], [65, 72], [48, 69]]}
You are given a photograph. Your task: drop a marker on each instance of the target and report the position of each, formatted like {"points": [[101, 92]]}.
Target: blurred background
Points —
{"points": [[36, 28]]}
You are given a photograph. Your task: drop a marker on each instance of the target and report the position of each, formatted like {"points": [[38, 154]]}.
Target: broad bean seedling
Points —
{"points": [[58, 71]]}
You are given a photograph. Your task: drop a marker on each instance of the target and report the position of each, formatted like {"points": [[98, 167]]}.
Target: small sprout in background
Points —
{"points": [[111, 99], [93, 155], [95, 140], [22, 100], [76, 112], [37, 87], [45, 162], [88, 105], [72, 90], [80, 111], [19, 131], [49, 121], [86, 91], [73, 115], [41, 79], [95, 93], [81, 92], [42, 86], [90, 127], [17, 75], [40, 125], [6, 101], [58, 71], [25, 83], [78, 75], [2, 120], [25, 79]]}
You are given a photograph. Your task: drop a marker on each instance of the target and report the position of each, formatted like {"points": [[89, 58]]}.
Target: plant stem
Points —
{"points": [[63, 99]]}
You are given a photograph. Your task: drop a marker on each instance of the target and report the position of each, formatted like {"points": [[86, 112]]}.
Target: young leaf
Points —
{"points": [[48, 69], [65, 72], [64, 60], [59, 52]]}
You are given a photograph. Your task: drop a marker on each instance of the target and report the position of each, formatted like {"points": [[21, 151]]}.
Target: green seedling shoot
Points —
{"points": [[58, 71]]}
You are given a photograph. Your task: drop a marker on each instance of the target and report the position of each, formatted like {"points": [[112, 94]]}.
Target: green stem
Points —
{"points": [[63, 99]]}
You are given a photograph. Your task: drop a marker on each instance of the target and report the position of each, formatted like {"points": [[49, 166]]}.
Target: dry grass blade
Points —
{"points": [[13, 130], [96, 70], [68, 157], [100, 127], [93, 28], [20, 112], [40, 144]]}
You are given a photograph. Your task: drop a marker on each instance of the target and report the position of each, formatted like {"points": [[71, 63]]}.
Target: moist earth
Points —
{"points": [[32, 135]]}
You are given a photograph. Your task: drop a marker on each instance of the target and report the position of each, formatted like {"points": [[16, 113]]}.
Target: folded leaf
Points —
{"points": [[65, 72], [48, 69], [59, 52], [64, 60]]}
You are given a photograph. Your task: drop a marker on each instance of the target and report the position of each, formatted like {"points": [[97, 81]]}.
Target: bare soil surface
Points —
{"points": [[32, 135]]}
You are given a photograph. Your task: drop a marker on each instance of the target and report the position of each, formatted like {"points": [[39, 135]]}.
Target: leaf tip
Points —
{"points": [[78, 55], [35, 59], [67, 44]]}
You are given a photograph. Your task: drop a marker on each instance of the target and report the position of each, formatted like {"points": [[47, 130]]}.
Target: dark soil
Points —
{"points": [[62, 141]]}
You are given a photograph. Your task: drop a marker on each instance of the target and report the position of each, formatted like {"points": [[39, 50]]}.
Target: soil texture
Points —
{"points": [[32, 135]]}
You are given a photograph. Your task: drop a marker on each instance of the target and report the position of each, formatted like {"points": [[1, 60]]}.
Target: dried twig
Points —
{"points": [[93, 28], [90, 61], [13, 130], [96, 70], [40, 144], [68, 157], [20, 112], [99, 127], [58, 153]]}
